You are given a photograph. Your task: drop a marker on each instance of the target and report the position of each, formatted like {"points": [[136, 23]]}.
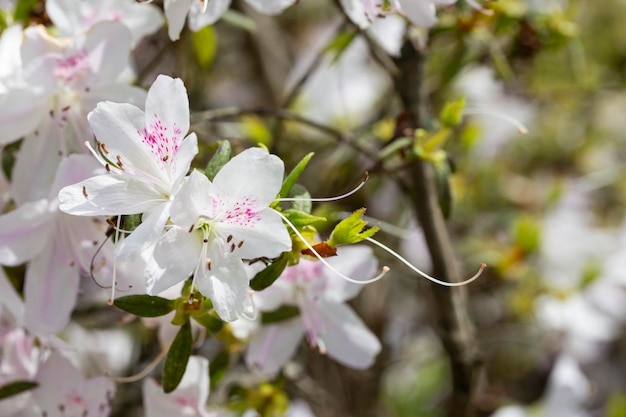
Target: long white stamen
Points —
{"points": [[201, 261], [205, 3], [339, 197], [521, 128], [423, 274], [254, 311], [117, 237], [145, 372], [318, 256]]}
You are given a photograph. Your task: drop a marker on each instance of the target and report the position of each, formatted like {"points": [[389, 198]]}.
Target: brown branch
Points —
{"points": [[454, 325]]}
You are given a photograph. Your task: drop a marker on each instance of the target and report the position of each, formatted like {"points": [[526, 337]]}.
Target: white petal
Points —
{"points": [[356, 12], [193, 200], [271, 7], [73, 169], [347, 339], [214, 10], [175, 13], [66, 16], [272, 346], [226, 284], [419, 12], [50, 291], [174, 259], [141, 19], [146, 234], [109, 194], [254, 174], [21, 112], [510, 411], [184, 156], [167, 105], [24, 232]]}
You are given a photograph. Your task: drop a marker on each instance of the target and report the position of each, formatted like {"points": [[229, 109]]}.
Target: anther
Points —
{"points": [[205, 240], [85, 192], [229, 238], [107, 167], [191, 228], [110, 223], [165, 158], [240, 244], [51, 113], [208, 264], [104, 147], [66, 108], [232, 247], [191, 296]]}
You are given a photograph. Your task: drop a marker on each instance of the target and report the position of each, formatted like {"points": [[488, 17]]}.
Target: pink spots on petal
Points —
{"points": [[244, 212], [162, 140], [71, 67]]}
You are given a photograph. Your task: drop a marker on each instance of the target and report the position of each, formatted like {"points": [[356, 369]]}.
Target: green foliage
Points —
{"points": [[267, 276], [616, 406], [255, 129], [15, 388], [527, 233], [301, 219], [221, 156], [351, 230], [444, 191], [452, 113], [177, 358], [144, 305], [340, 44], [204, 46], [210, 321], [293, 176], [303, 202], [281, 314], [23, 8]]}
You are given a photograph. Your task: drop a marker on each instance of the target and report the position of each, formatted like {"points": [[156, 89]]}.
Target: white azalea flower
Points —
{"points": [[75, 17], [419, 12], [206, 12], [59, 247], [54, 83], [326, 321], [146, 156], [217, 224], [188, 399]]}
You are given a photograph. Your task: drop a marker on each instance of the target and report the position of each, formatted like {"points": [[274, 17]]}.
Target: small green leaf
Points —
{"points": [[301, 219], [204, 45], [444, 192], [177, 358], [452, 113], [210, 322], [293, 176], [219, 159], [281, 314], [351, 230], [23, 9], [16, 387], [527, 233], [143, 305], [303, 202], [131, 222], [340, 44], [266, 277]]}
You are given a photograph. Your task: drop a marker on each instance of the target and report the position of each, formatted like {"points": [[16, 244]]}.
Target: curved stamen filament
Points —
{"points": [[339, 197], [254, 312], [329, 266], [521, 128], [145, 372], [117, 237], [202, 261], [423, 274]]}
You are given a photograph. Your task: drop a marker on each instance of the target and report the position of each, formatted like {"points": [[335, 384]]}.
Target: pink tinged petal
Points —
{"points": [[355, 261], [253, 174], [272, 346], [176, 13], [145, 236], [226, 284], [167, 118], [24, 232], [214, 11], [271, 7], [174, 259], [76, 395], [73, 169], [195, 382], [256, 234], [107, 195], [40, 52], [120, 127], [21, 112], [41, 150], [50, 290], [108, 48], [419, 12], [346, 339], [10, 299]]}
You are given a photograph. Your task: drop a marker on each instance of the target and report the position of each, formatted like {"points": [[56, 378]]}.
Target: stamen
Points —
{"points": [[146, 371], [425, 275], [339, 197], [521, 128], [107, 167], [232, 247], [104, 148], [191, 228], [114, 280], [253, 310], [208, 264], [229, 238], [318, 256], [205, 3], [240, 244], [165, 158], [85, 192]]}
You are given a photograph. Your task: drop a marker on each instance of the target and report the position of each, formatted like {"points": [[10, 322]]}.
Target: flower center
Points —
{"points": [[72, 67]]}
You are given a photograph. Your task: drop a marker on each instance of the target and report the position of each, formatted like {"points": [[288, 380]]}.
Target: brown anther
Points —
{"points": [[229, 238], [206, 240], [72, 264], [208, 264], [51, 113], [240, 244], [107, 167], [85, 192], [110, 223], [104, 147], [191, 228], [66, 108], [61, 407], [165, 158], [366, 176], [232, 247]]}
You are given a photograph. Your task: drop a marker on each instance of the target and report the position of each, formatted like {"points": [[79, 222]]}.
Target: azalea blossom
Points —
{"points": [[419, 12], [188, 399], [327, 322], [206, 12], [54, 83], [75, 17], [146, 156], [59, 249], [217, 224]]}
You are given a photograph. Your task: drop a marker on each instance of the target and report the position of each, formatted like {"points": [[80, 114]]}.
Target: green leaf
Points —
{"points": [[204, 46], [144, 305], [527, 233], [351, 230], [301, 219], [616, 406], [444, 191], [266, 277], [23, 9], [452, 113], [303, 202], [131, 222], [16, 387], [210, 322], [177, 358], [339, 44], [281, 314], [219, 159], [293, 176]]}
